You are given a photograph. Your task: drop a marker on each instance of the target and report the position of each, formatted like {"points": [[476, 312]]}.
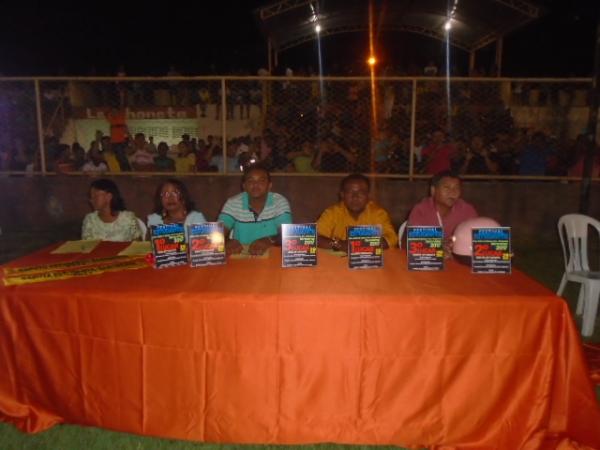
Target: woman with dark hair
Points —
{"points": [[172, 204], [109, 221]]}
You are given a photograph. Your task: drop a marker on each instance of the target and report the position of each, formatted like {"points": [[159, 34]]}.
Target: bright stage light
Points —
{"points": [[371, 61], [317, 28], [448, 25]]}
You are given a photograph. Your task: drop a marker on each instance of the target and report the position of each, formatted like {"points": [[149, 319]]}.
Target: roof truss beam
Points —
{"points": [[491, 37], [280, 7], [522, 7], [357, 28]]}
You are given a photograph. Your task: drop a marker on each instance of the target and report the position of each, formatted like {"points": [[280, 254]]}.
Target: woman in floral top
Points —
{"points": [[109, 221]]}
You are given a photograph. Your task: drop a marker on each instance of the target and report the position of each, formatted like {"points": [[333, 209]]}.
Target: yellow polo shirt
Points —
{"points": [[184, 164], [336, 218]]}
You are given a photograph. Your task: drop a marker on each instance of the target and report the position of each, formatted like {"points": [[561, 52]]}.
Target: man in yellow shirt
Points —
{"points": [[355, 208]]}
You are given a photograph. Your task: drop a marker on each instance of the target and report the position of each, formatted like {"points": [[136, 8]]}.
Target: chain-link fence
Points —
{"points": [[19, 143], [392, 126]]}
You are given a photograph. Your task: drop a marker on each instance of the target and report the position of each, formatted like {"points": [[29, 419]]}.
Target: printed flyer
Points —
{"points": [[206, 244], [364, 247], [299, 245], [491, 250], [425, 249], [168, 245]]}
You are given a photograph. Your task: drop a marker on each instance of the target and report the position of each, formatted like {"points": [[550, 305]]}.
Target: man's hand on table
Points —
{"points": [[260, 246], [233, 247]]}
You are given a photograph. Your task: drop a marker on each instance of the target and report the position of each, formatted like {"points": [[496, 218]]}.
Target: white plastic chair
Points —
{"points": [[573, 232], [143, 228], [401, 233]]}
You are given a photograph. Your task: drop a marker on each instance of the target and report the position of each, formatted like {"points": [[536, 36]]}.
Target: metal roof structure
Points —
{"points": [[474, 23]]}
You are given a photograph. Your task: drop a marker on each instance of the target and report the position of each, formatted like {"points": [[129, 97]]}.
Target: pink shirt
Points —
{"points": [[577, 169], [424, 213], [438, 158]]}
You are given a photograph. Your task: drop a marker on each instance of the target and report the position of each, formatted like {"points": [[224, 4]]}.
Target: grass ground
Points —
{"points": [[72, 437], [542, 261]]}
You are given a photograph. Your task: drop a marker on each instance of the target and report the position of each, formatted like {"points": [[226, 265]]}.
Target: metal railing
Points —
{"points": [[402, 127]]}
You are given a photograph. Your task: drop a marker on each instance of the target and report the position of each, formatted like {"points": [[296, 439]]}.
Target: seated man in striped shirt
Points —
{"points": [[255, 215]]}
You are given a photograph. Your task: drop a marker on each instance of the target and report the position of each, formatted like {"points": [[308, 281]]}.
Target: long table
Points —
{"points": [[254, 353]]}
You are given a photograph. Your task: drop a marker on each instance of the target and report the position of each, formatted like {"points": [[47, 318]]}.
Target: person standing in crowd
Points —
{"points": [[141, 159], [444, 207], [203, 100], [430, 70], [186, 159], [64, 161], [533, 160], [109, 155], [118, 136], [20, 158], [109, 221], [303, 160], [383, 146], [332, 156], [95, 163], [173, 204], [121, 86], [202, 161], [438, 155], [579, 152], [78, 153], [215, 153], [162, 162], [255, 215], [504, 153], [478, 160], [354, 208], [150, 146]]}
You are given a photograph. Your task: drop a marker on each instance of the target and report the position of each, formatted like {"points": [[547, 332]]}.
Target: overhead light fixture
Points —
{"points": [[317, 28], [448, 25]]}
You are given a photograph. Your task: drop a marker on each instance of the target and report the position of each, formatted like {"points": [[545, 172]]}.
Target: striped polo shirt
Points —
{"points": [[248, 226]]}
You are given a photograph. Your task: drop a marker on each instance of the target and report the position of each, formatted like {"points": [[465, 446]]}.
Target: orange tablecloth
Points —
{"points": [[251, 352]]}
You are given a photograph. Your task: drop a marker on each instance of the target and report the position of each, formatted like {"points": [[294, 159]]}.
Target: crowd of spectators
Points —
{"points": [[519, 152], [311, 126]]}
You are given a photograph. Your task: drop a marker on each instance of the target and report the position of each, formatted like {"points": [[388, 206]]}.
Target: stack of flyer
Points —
{"points": [[425, 249], [168, 245], [299, 245], [207, 244], [364, 247]]}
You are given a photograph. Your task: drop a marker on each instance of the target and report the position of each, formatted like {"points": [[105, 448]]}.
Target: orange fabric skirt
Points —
{"points": [[254, 353]]}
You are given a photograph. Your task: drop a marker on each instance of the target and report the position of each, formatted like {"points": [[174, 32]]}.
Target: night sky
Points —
{"points": [[221, 37]]}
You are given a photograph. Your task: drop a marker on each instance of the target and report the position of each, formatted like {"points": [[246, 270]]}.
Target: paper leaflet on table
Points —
{"points": [[339, 253], [82, 246], [137, 248]]}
